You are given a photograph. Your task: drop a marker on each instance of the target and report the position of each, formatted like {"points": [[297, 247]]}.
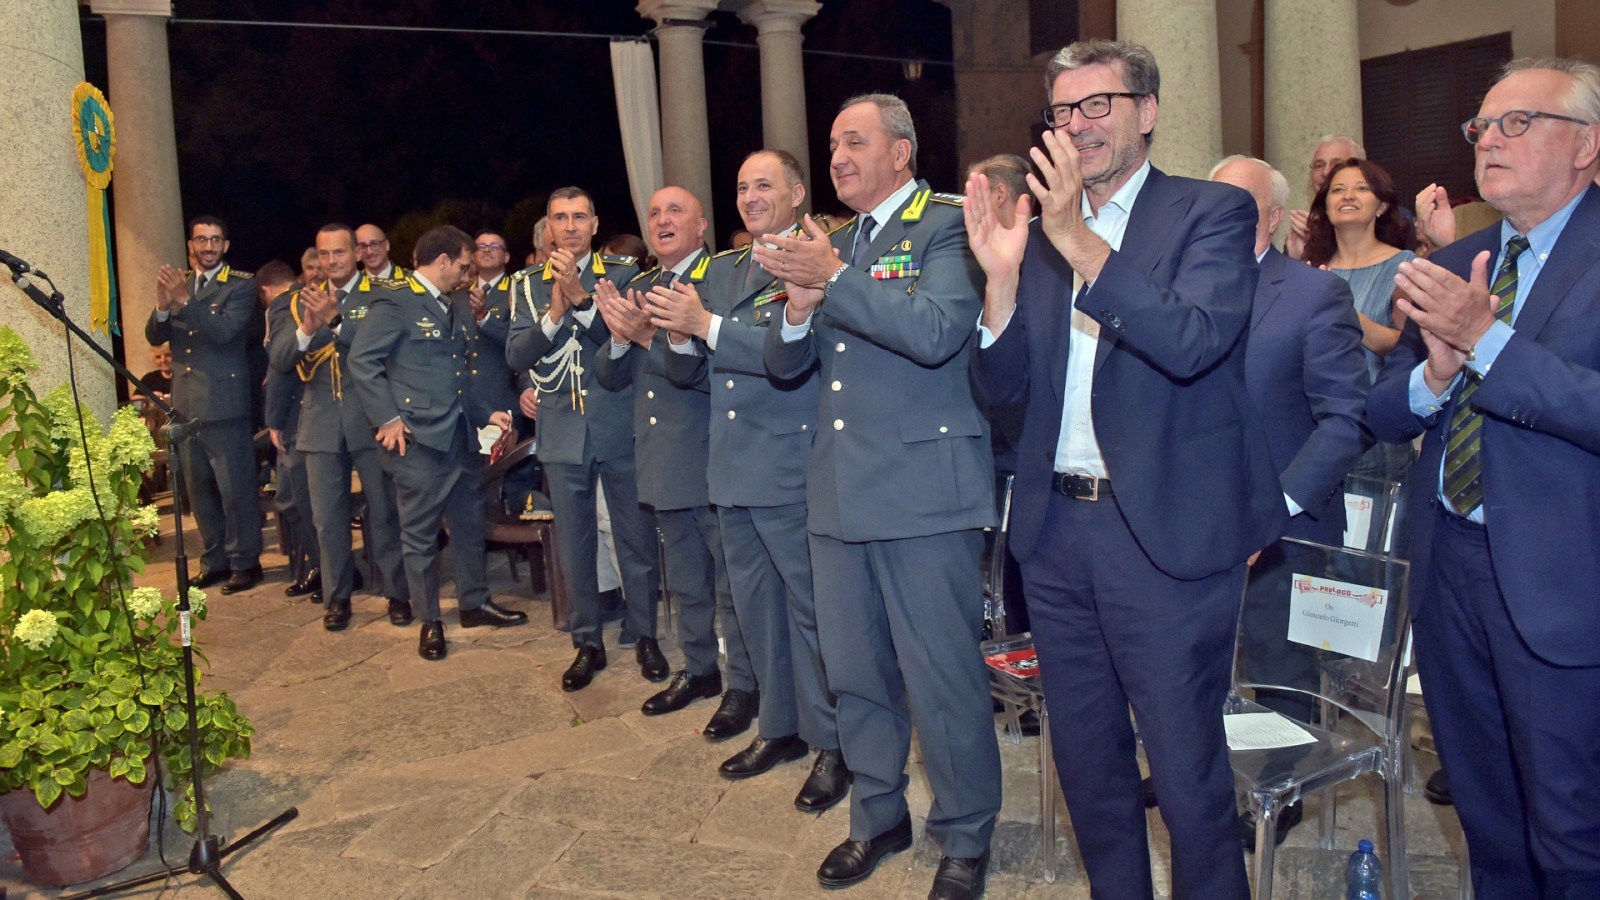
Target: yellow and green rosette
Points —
{"points": [[92, 135]]}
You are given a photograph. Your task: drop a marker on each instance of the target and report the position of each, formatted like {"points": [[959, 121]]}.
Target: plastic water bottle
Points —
{"points": [[1364, 874]]}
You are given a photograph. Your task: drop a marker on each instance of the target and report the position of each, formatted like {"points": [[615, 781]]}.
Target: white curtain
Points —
{"points": [[633, 70]]}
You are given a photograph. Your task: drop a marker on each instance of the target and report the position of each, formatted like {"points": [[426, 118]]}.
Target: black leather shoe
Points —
{"points": [[490, 614], [762, 755], [432, 645], [683, 690], [733, 716], [827, 784], [208, 577], [959, 879], [1437, 789], [852, 862], [578, 675], [338, 615], [400, 613], [652, 664], [1288, 817], [310, 584], [243, 580]]}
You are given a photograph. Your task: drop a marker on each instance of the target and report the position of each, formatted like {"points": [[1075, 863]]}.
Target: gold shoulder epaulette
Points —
{"points": [[648, 273], [730, 250], [952, 199], [241, 273], [390, 283], [843, 225], [619, 260]]}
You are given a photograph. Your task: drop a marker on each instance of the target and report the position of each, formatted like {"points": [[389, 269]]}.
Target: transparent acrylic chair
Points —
{"points": [[1348, 663]]}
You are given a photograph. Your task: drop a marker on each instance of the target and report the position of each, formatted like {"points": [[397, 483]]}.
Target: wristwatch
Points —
{"points": [[828, 285]]}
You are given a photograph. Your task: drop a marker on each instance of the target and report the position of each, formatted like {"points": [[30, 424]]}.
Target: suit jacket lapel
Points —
{"points": [[748, 289], [1576, 252], [1156, 211]]}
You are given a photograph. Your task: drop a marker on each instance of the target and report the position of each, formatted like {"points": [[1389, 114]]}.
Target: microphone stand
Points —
{"points": [[205, 858]]}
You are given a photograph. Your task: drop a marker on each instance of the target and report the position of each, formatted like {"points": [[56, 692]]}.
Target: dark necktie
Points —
{"points": [[863, 239], [339, 296], [199, 282], [1463, 463]]}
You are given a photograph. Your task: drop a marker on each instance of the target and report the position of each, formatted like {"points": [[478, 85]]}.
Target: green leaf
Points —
{"points": [[138, 723], [10, 755], [126, 709], [32, 699], [102, 617], [64, 776], [47, 792], [119, 767]]}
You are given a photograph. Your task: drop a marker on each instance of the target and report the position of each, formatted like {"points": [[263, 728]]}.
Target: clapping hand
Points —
{"points": [[625, 316]]}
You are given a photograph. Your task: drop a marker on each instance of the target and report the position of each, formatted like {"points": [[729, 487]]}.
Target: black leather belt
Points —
{"points": [[1080, 487]]}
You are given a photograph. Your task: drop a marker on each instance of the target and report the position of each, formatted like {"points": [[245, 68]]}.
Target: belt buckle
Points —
{"points": [[1094, 489]]}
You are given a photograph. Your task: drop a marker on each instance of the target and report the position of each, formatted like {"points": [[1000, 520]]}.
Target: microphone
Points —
{"points": [[16, 265]]}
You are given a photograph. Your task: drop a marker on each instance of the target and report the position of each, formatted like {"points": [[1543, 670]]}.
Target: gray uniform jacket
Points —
{"points": [[410, 361], [492, 379], [578, 421], [761, 428], [670, 423], [210, 359], [329, 410], [901, 449]]}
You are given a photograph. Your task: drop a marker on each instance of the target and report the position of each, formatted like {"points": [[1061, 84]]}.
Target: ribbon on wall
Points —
{"points": [[93, 136]]}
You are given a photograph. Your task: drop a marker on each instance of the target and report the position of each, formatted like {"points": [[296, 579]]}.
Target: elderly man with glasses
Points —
{"points": [[1499, 370]]}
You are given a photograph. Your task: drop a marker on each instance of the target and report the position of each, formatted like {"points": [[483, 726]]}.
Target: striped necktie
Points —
{"points": [[1463, 461]]}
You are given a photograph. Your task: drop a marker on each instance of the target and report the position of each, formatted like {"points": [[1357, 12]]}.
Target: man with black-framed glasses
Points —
{"points": [[1144, 480], [372, 248], [1499, 370], [205, 313]]}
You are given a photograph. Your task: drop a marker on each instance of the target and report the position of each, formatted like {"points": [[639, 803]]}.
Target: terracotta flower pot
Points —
{"points": [[79, 839]]}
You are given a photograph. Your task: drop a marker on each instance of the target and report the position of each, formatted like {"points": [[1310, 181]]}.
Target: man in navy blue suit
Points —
{"points": [[1144, 480], [1305, 372], [1499, 368]]}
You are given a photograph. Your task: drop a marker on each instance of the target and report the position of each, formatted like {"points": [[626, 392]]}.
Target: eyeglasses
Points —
{"points": [[495, 246], [371, 245], [204, 239], [1512, 124], [1094, 106]]}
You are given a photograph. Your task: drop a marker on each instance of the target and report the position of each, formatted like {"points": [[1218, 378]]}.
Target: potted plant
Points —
{"points": [[91, 677]]}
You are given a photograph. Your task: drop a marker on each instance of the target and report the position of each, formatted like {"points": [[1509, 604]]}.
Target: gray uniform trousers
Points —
{"points": [[891, 671], [293, 502], [219, 469], [572, 496], [328, 479], [769, 571], [430, 485], [697, 577]]}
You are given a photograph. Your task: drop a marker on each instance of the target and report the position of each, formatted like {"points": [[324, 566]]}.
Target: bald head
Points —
{"points": [[677, 225], [372, 246], [1265, 184]]}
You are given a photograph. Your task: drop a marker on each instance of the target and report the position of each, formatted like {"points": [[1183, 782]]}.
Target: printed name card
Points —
{"points": [[1357, 520], [1338, 616]]}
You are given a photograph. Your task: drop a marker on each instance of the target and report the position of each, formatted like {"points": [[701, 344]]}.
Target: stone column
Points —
{"points": [[148, 205], [1313, 83], [685, 134], [1183, 36], [43, 198], [783, 76]]}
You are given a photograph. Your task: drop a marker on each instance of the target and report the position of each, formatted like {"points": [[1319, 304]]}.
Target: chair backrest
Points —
{"points": [[1375, 510], [1328, 623]]}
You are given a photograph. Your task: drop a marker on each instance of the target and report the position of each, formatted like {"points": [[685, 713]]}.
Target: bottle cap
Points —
{"points": [[1364, 847]]}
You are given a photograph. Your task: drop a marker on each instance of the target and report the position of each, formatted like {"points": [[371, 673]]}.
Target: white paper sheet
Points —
{"points": [[1263, 731]]}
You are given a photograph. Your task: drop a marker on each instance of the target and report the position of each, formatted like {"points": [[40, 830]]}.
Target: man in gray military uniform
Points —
{"points": [[670, 435], [485, 304], [372, 248], [901, 483], [310, 336], [760, 436], [585, 434], [205, 314], [409, 366]]}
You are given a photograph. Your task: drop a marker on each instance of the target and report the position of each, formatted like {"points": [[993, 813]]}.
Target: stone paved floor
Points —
{"points": [[477, 777]]}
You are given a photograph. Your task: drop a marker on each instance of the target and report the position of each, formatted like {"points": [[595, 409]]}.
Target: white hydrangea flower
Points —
{"points": [[145, 602], [37, 628]]}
